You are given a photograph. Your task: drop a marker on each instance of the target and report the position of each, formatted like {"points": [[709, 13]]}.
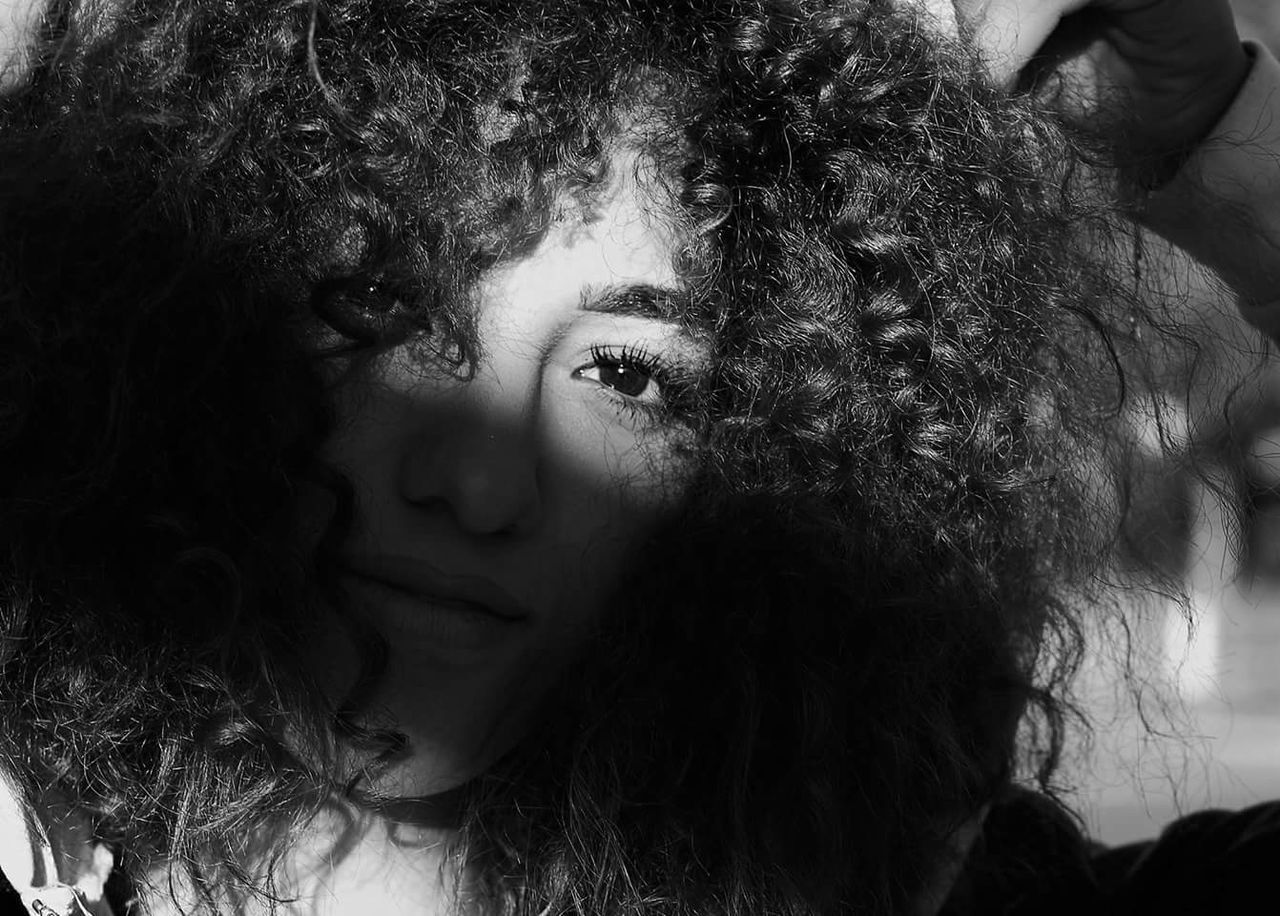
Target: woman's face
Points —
{"points": [[495, 515]]}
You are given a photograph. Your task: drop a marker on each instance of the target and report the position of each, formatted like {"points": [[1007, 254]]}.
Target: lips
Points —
{"points": [[426, 583]]}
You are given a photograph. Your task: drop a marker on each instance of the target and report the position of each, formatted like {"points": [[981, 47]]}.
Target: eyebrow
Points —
{"points": [[637, 301]]}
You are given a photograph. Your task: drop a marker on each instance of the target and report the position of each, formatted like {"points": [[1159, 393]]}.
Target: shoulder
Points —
{"points": [[1035, 861], [1208, 862]]}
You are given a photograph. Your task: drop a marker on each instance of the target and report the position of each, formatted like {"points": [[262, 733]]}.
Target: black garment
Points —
{"points": [[1034, 862], [10, 902], [1211, 862]]}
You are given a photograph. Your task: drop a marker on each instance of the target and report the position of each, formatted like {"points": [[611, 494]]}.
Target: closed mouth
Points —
{"points": [[422, 582]]}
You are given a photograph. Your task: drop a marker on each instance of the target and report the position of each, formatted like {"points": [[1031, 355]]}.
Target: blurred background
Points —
{"points": [[1186, 706]]}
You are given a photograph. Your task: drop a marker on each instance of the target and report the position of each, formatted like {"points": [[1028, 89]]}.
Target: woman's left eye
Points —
{"points": [[630, 373]]}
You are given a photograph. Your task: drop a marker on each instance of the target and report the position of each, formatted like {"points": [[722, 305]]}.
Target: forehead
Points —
{"points": [[622, 233]]}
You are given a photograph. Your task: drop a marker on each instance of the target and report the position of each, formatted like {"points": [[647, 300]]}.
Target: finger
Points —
{"points": [[25, 856], [1008, 33], [942, 13], [18, 21], [29, 864], [55, 900]]}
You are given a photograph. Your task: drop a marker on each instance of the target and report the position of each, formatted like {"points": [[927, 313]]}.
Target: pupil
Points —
{"points": [[624, 379], [373, 300]]}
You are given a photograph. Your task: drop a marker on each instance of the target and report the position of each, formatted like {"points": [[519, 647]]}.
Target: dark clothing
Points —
{"points": [[1211, 862], [1033, 862]]}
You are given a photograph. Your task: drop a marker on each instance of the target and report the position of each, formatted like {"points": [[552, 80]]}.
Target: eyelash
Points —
{"points": [[673, 383]]}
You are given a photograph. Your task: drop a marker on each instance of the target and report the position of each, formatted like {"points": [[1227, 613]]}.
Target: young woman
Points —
{"points": [[577, 457]]}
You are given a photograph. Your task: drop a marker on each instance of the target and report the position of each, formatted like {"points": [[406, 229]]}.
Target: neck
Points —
{"points": [[348, 861]]}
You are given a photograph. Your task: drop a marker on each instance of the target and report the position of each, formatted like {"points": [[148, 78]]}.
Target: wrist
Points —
{"points": [[1222, 206], [1150, 165]]}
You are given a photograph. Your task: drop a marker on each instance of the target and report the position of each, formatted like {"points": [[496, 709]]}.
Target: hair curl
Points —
{"points": [[816, 672]]}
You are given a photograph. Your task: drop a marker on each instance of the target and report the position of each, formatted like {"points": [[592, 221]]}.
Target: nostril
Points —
{"points": [[485, 479], [495, 497]]}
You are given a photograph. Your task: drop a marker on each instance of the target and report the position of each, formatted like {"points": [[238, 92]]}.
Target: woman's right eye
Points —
{"points": [[362, 310]]}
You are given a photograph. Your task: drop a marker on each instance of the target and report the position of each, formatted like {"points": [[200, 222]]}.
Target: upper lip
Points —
{"points": [[425, 581]]}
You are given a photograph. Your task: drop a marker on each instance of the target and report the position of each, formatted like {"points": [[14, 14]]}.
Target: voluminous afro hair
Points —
{"points": [[815, 673]]}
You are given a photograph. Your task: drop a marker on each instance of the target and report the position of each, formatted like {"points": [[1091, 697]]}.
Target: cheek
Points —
{"points": [[628, 467], [369, 416], [613, 486]]}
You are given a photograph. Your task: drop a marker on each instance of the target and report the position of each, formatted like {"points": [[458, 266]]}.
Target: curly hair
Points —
{"points": [[815, 673]]}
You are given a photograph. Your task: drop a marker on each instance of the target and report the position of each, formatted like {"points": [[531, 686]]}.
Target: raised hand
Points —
{"points": [[30, 865], [1155, 73]]}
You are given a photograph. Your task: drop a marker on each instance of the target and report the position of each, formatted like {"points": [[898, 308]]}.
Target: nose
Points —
{"points": [[478, 462]]}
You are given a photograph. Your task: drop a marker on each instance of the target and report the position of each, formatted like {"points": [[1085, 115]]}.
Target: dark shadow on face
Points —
{"points": [[579, 617]]}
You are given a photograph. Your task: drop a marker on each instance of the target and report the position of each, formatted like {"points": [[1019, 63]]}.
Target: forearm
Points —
{"points": [[1223, 206]]}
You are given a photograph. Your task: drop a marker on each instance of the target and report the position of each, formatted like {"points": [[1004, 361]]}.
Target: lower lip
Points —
{"points": [[455, 627]]}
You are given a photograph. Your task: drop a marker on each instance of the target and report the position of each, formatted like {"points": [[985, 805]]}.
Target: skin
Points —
{"points": [[1162, 71], [536, 476], [528, 487], [18, 20], [525, 484]]}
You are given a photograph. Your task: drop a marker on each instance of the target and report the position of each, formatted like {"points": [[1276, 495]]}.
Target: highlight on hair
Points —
{"points": [[817, 671]]}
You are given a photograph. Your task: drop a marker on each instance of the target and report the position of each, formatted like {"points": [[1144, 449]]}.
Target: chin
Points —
{"points": [[458, 722]]}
